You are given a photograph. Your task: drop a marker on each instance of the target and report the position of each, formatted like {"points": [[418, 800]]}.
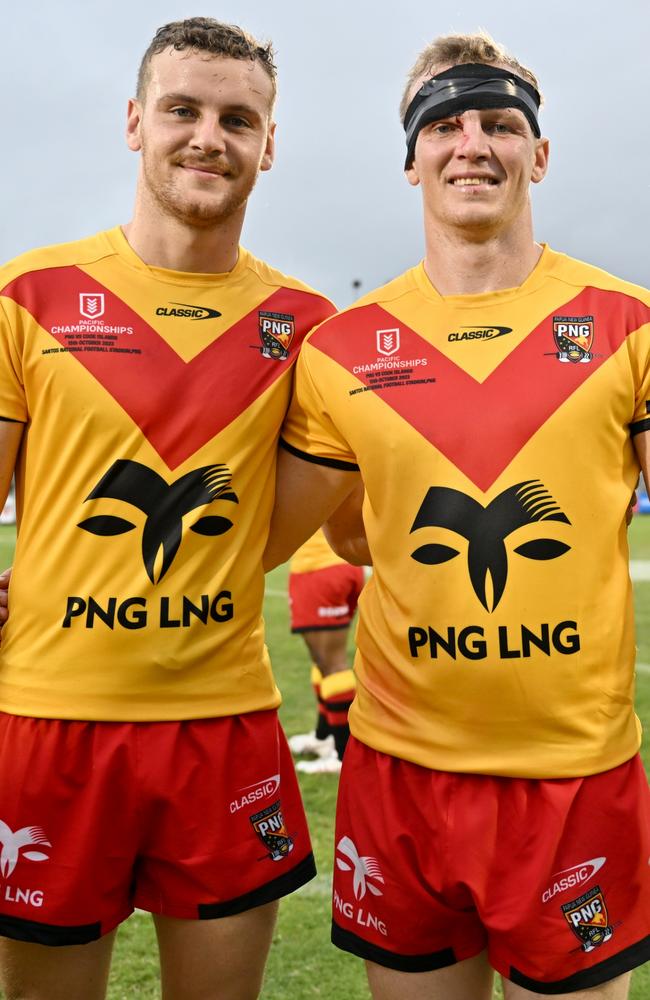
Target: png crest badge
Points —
{"points": [[276, 333], [587, 917], [574, 336], [269, 827]]}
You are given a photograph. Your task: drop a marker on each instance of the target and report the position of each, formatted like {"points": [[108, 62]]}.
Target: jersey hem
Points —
{"points": [[333, 463], [178, 715], [355, 945], [496, 770], [612, 967]]}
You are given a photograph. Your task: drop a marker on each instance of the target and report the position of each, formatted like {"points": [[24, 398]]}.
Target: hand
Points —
{"points": [[5, 577]]}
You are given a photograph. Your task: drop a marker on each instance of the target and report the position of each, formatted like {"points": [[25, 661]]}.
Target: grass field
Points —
{"points": [[303, 964]]}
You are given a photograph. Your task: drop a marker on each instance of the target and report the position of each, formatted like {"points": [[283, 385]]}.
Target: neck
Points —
{"points": [[161, 240], [457, 264]]}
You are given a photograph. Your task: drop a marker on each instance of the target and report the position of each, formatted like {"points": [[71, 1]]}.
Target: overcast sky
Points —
{"points": [[336, 206]]}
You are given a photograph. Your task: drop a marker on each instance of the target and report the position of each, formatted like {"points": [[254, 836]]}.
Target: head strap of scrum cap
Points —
{"points": [[469, 85]]}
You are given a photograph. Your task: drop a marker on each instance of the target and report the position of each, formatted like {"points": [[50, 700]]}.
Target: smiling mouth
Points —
{"points": [[473, 181], [199, 169]]}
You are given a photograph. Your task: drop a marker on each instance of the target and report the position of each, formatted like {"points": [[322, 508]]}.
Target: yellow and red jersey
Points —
{"points": [[494, 436], [314, 554], [152, 401]]}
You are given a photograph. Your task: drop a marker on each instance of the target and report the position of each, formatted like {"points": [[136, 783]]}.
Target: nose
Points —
{"points": [[472, 141], [208, 136]]}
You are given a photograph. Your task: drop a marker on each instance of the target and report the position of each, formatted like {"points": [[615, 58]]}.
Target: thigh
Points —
{"points": [[616, 989], [215, 959], [75, 972], [472, 978]]}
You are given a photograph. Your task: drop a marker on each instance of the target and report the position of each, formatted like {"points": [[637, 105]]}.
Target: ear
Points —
{"points": [[540, 163], [412, 175], [133, 122], [268, 155]]}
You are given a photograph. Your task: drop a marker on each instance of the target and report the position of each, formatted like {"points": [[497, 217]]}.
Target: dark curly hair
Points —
{"points": [[204, 34]]}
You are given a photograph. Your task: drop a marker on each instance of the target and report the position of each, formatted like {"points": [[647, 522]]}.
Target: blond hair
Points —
{"points": [[453, 50]]}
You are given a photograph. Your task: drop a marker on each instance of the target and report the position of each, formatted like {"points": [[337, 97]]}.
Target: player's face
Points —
{"points": [[204, 131], [475, 170]]}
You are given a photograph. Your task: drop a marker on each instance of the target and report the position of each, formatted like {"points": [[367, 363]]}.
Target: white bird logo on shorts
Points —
{"points": [[12, 843], [364, 868]]}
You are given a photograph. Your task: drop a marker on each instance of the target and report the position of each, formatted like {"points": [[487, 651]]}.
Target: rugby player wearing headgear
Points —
{"points": [[145, 375], [493, 810]]}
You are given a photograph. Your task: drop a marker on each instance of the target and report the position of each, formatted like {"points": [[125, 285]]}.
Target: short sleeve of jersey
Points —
{"points": [[639, 347], [309, 429], [12, 393]]}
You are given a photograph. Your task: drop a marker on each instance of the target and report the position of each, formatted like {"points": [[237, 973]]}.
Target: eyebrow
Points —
{"points": [[178, 98]]}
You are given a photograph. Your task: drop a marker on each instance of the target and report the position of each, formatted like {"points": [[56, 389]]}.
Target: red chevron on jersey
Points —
{"points": [[178, 405], [520, 394]]}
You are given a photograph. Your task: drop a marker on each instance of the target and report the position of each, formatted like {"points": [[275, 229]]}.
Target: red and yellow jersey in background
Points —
{"points": [[152, 402], [314, 554], [494, 436]]}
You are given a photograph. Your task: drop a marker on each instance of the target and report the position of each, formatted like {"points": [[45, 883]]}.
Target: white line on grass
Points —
{"points": [[640, 569], [643, 668]]}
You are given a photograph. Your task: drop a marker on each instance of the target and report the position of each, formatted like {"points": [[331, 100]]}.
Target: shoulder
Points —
{"points": [[298, 290], [372, 309], [72, 254], [583, 275]]}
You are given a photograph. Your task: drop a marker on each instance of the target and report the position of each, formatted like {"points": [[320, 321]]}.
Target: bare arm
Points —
{"points": [[345, 530], [10, 437], [642, 447], [306, 494]]}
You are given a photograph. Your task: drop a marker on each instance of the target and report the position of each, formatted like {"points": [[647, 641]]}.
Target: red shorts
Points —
{"points": [[325, 598], [194, 819], [552, 877]]}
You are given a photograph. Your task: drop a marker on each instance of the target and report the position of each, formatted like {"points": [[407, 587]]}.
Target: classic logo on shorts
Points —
{"points": [[364, 869], [571, 877], [91, 304], [587, 918], [164, 506], [486, 529], [388, 341], [269, 827], [276, 333], [250, 794], [574, 336], [15, 841]]}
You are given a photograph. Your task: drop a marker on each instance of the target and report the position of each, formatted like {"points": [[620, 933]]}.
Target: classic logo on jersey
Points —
{"points": [[183, 310], [91, 304], [15, 841], [486, 529], [164, 506], [269, 827], [276, 333], [472, 333], [388, 341], [250, 794], [587, 917], [364, 869], [574, 336], [571, 877]]}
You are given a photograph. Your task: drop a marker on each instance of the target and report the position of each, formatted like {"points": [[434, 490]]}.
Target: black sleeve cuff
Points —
{"points": [[333, 463]]}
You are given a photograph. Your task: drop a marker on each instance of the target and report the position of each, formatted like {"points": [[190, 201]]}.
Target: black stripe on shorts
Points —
{"points": [[610, 968], [51, 934], [389, 959], [278, 887]]}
